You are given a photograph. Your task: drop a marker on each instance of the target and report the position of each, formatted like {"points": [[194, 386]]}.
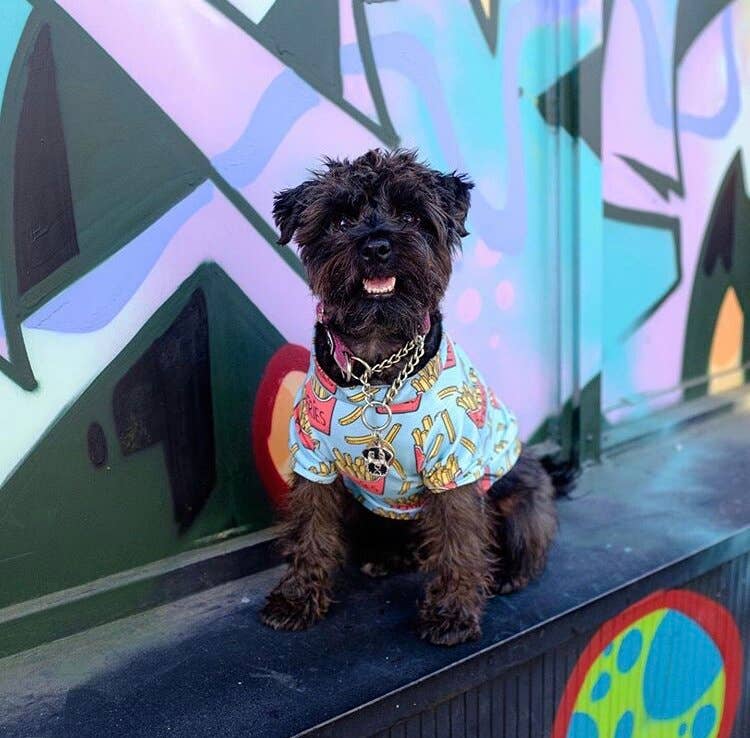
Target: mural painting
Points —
{"points": [[152, 332]]}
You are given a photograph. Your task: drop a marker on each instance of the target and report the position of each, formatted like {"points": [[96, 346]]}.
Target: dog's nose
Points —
{"points": [[378, 249]]}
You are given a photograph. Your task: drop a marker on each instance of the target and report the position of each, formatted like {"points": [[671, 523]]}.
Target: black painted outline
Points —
{"points": [[694, 356], [489, 25], [17, 367]]}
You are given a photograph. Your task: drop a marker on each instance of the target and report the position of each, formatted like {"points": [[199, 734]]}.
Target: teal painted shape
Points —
{"points": [[13, 16], [640, 269]]}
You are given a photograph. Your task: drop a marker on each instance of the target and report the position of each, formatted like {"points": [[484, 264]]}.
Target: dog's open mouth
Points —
{"points": [[381, 286]]}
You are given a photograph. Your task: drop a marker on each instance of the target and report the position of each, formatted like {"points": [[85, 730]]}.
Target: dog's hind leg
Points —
{"points": [[525, 523], [314, 544]]}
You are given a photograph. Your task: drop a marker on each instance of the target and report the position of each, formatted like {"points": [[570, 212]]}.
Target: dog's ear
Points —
{"points": [[287, 207], [456, 195]]}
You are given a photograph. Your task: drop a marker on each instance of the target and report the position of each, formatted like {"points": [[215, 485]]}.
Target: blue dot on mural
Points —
{"points": [[630, 650], [625, 726], [680, 647], [582, 726], [683, 729], [600, 690], [608, 649], [704, 722]]}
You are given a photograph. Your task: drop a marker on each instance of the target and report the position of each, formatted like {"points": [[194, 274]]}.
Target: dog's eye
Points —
{"points": [[343, 222], [407, 218]]}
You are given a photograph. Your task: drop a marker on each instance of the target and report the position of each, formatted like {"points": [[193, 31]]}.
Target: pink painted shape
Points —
{"points": [[469, 305], [347, 29], [702, 76], [505, 295], [357, 92], [202, 70]]}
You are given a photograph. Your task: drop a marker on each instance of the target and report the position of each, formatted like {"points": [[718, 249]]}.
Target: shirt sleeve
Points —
{"points": [[469, 442], [309, 451]]}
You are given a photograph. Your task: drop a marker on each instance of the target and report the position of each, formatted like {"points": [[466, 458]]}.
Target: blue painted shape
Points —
{"points": [[640, 267], [683, 729], [92, 301], [13, 16], [286, 99], [608, 650], [630, 650], [704, 722], [601, 689], [681, 665], [582, 726], [625, 725]]}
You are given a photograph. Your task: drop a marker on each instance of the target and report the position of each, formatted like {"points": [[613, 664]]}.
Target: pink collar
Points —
{"points": [[341, 353]]}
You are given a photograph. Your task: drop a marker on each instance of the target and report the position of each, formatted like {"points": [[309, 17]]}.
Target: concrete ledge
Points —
{"points": [[672, 513]]}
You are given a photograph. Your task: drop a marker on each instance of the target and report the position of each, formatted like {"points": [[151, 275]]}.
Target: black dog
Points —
{"points": [[378, 236]]}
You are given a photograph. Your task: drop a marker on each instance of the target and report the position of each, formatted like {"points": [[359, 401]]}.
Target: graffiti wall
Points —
{"points": [[152, 332], [675, 84]]}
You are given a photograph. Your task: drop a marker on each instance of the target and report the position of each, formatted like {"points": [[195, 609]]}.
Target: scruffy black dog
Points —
{"points": [[377, 237]]}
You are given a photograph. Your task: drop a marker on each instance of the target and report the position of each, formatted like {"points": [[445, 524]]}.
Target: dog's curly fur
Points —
{"points": [[471, 545]]}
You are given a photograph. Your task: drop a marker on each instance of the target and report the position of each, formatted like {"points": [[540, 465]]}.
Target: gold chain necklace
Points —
{"points": [[379, 456]]}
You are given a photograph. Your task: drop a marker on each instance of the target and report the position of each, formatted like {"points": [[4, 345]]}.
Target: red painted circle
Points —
{"points": [[287, 359], [715, 620]]}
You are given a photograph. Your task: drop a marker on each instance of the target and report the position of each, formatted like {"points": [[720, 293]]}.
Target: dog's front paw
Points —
{"points": [[448, 627], [282, 612]]}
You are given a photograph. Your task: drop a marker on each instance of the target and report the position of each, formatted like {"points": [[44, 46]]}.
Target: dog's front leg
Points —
{"points": [[314, 546], [456, 542]]}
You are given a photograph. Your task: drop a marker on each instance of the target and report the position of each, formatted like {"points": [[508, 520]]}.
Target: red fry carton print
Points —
{"points": [[320, 412], [419, 458]]}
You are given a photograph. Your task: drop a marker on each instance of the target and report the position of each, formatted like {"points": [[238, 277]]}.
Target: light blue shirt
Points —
{"points": [[448, 429]]}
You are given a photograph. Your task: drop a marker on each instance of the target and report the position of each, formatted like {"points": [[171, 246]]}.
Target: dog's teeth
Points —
{"points": [[379, 286]]}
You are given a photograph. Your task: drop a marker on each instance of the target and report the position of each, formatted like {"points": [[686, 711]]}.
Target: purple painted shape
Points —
{"points": [[659, 90], [94, 300], [718, 125]]}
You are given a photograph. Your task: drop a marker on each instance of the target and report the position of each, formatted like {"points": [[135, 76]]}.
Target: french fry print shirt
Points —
{"points": [[448, 429]]}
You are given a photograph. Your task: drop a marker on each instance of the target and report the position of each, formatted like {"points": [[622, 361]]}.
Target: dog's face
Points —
{"points": [[377, 237]]}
